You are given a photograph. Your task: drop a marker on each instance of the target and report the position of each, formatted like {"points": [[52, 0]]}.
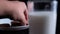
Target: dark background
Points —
{"points": [[58, 18]]}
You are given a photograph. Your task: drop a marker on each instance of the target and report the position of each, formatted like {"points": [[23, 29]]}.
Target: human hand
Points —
{"points": [[17, 10]]}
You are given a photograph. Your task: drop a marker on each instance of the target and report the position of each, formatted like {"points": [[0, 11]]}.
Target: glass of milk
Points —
{"points": [[38, 26]]}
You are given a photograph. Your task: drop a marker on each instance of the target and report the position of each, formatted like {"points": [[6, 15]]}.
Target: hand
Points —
{"points": [[17, 10]]}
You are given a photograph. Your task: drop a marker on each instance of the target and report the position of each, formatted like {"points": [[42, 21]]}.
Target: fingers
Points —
{"points": [[26, 14], [23, 19]]}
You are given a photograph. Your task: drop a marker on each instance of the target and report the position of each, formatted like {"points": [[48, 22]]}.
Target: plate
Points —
{"points": [[15, 28]]}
